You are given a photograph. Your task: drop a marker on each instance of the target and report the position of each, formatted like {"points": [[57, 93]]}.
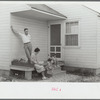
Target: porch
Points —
{"points": [[36, 19], [43, 34]]}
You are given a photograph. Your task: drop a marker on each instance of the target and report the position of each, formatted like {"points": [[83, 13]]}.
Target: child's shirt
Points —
{"points": [[49, 65]]}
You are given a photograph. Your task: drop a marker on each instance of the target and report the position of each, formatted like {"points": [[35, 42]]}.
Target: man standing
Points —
{"points": [[26, 38]]}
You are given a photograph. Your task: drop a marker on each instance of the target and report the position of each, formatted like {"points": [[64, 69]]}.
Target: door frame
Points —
{"points": [[61, 22]]}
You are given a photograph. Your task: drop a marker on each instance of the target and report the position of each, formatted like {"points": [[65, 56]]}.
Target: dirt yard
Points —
{"points": [[62, 77]]}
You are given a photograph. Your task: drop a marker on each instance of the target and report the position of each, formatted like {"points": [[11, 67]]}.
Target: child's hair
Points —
{"points": [[49, 60], [36, 50], [25, 29]]}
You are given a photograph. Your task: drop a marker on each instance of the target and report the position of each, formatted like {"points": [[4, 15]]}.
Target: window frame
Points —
{"points": [[79, 25]]}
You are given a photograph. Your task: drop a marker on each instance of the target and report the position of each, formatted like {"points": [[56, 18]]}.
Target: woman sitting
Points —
{"points": [[38, 66]]}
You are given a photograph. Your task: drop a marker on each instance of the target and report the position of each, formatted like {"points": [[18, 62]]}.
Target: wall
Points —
{"points": [[86, 54], [5, 32]]}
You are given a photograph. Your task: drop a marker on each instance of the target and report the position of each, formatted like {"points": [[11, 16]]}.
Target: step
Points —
{"points": [[56, 71]]}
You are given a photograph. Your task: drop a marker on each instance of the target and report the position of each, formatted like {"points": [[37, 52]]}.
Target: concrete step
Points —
{"points": [[56, 71]]}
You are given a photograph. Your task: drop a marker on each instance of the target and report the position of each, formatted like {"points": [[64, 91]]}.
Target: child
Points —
{"points": [[38, 66], [54, 60], [51, 63], [48, 66]]}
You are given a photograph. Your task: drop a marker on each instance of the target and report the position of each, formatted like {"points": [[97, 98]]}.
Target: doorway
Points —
{"points": [[55, 40]]}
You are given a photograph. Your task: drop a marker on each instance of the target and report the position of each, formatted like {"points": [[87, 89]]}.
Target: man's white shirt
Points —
{"points": [[25, 38]]}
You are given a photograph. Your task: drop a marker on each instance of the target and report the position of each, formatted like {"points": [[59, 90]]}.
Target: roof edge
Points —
{"points": [[91, 9], [48, 12], [55, 10]]}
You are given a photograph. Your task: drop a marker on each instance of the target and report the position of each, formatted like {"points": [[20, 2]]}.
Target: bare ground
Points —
{"points": [[61, 77]]}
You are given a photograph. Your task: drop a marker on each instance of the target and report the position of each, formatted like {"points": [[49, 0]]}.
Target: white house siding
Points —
{"points": [[86, 55], [38, 31], [6, 34], [98, 42]]}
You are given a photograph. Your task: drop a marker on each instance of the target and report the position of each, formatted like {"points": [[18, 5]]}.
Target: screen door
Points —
{"points": [[55, 40]]}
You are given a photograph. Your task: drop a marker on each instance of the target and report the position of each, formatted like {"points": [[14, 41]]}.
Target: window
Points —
{"points": [[72, 31]]}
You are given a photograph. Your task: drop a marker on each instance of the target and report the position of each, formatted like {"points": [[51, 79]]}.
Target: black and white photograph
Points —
{"points": [[49, 50], [50, 42]]}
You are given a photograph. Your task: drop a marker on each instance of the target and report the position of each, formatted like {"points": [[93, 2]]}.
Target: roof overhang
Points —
{"points": [[37, 14]]}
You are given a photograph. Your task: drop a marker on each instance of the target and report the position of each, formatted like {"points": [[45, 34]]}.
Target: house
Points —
{"points": [[70, 31]]}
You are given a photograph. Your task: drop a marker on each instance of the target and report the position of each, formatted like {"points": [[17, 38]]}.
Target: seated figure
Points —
{"points": [[38, 65]]}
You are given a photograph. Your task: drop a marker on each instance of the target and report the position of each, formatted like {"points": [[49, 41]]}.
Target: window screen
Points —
{"points": [[72, 31], [71, 40], [72, 27]]}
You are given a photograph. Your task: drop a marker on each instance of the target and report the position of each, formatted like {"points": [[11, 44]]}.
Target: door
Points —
{"points": [[55, 40]]}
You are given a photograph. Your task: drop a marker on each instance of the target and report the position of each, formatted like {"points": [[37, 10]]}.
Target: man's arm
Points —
{"points": [[14, 31]]}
